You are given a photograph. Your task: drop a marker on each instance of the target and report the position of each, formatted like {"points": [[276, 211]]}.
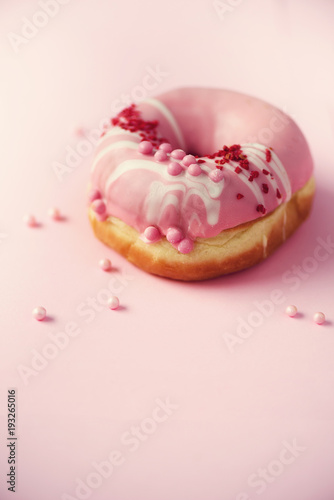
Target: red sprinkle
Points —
{"points": [[200, 161], [130, 119], [278, 193], [265, 171], [239, 196], [260, 208], [268, 155], [254, 174], [237, 170], [265, 188], [244, 164]]}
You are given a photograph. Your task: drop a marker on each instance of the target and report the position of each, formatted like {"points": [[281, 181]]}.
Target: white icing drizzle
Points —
{"points": [[115, 145], [160, 193], [243, 176], [116, 130], [265, 244], [284, 224], [256, 160], [200, 182], [186, 192], [169, 116], [275, 165]]}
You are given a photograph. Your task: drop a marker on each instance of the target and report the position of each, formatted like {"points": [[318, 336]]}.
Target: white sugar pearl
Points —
{"points": [[113, 302], [29, 220], [39, 313], [54, 213], [319, 318], [105, 264], [291, 311]]}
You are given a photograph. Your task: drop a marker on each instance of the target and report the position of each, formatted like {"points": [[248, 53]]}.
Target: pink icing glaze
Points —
{"points": [[145, 191]]}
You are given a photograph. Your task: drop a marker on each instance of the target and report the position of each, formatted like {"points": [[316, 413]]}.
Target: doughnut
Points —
{"points": [[197, 183]]}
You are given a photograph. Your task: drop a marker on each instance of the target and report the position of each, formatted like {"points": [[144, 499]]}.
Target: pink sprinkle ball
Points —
{"points": [[152, 233], [105, 264], [319, 318], [174, 235], [216, 175], [178, 154], [113, 302], [94, 194], [29, 220], [98, 206], [145, 147], [194, 169], [291, 311], [174, 168], [185, 246], [188, 160], [39, 313], [80, 131], [160, 155], [165, 146], [54, 213]]}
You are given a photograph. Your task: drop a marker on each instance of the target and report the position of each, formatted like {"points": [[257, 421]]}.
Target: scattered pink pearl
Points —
{"points": [[216, 175], [152, 233], [291, 311], [165, 146], [54, 213], [188, 160], [174, 235], [185, 246], [145, 147], [194, 169], [174, 168], [39, 313], [99, 206], [29, 220], [160, 155], [319, 318], [113, 302], [178, 154], [105, 264], [94, 194], [80, 131]]}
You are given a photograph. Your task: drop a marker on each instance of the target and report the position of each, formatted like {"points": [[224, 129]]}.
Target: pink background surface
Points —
{"points": [[236, 408]]}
